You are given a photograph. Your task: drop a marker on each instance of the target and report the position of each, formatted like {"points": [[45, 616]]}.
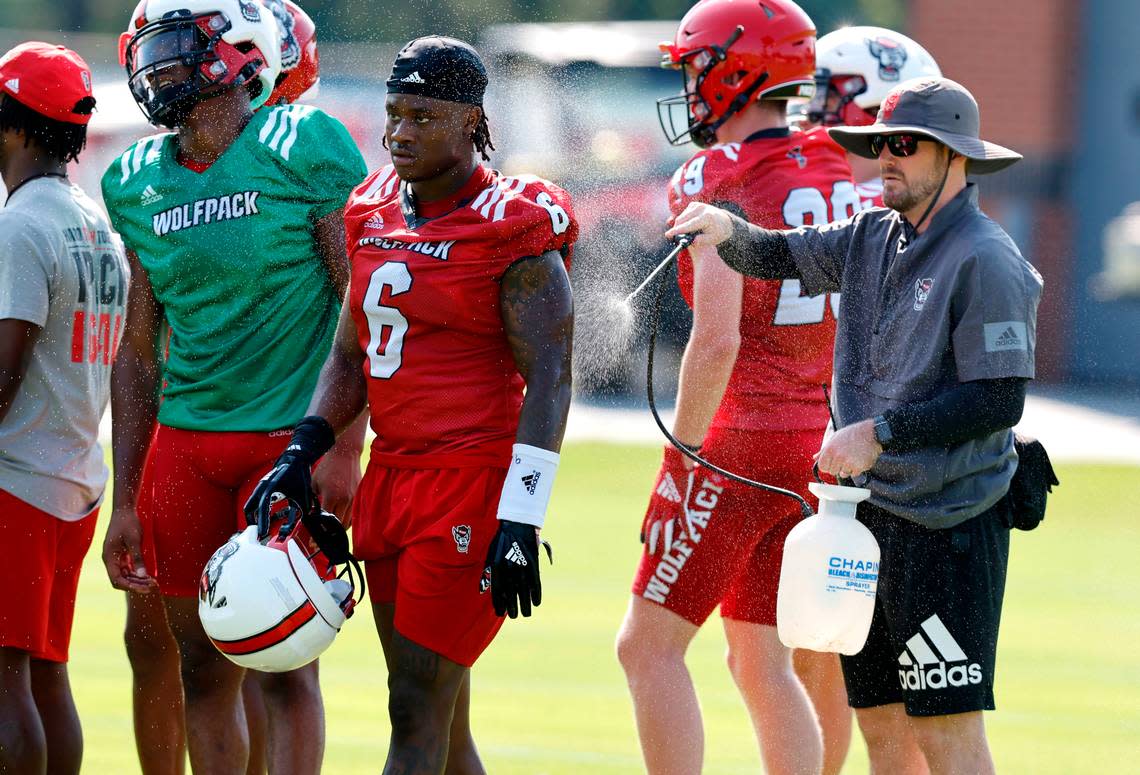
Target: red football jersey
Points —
{"points": [[870, 193], [443, 387], [780, 180]]}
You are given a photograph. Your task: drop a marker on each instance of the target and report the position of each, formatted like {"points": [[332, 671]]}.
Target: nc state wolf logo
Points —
{"points": [[290, 47], [249, 10], [891, 55], [922, 291], [462, 536], [209, 581], [888, 106]]}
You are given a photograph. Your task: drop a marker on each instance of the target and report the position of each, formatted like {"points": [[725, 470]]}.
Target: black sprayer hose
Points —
{"points": [[661, 285]]}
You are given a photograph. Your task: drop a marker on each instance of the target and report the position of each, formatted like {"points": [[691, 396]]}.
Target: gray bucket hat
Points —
{"points": [[934, 107]]}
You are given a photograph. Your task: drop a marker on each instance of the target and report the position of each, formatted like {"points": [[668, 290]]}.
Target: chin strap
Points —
{"points": [[707, 132], [913, 231]]}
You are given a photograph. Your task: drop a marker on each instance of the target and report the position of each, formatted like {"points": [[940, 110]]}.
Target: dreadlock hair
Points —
{"points": [[61, 140], [481, 137]]}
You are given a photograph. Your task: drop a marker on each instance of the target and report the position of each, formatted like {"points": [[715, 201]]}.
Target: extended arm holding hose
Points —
{"points": [[805, 508]]}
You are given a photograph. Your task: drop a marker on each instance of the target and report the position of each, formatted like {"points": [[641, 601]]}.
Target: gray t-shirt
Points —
{"points": [[957, 303], [63, 269]]}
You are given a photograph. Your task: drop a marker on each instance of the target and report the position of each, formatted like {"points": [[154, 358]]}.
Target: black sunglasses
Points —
{"points": [[899, 145]]}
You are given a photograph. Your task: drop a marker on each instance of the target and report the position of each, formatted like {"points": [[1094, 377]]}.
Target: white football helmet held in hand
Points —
{"points": [[273, 606]]}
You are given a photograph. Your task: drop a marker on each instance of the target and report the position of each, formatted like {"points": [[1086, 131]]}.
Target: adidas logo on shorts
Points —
{"points": [[516, 555], [667, 489], [413, 78], [149, 196], [932, 659]]}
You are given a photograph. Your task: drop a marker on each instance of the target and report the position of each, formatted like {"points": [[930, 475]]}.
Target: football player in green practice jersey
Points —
{"points": [[233, 224]]}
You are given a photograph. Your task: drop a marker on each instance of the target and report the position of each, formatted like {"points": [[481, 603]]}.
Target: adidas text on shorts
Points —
{"points": [[933, 639]]}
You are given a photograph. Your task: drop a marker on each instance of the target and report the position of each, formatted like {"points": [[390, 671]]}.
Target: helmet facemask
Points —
{"points": [[689, 115], [180, 60], [834, 101]]}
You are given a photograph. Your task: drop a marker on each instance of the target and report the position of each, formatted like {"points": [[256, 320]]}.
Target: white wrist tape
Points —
{"points": [[530, 480]]}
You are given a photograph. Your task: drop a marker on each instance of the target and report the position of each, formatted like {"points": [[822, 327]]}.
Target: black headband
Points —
{"points": [[441, 68]]}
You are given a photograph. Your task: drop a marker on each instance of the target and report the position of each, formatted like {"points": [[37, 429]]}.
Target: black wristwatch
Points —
{"points": [[883, 433]]}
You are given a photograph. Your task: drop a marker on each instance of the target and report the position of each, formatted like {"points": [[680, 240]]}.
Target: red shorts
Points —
{"points": [[736, 563], [423, 535], [194, 486], [40, 573]]}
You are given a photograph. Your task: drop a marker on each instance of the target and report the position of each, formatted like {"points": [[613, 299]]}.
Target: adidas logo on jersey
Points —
{"points": [[374, 222], [149, 196], [516, 555], [413, 78], [530, 481], [1006, 335], [1008, 338], [932, 659], [13, 84], [667, 489]]}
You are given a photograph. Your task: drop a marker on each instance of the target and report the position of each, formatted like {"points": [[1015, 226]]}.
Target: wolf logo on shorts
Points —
{"points": [[462, 536]]}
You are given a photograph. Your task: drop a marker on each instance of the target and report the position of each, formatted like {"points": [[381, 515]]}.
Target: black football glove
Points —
{"points": [[512, 568], [291, 476]]}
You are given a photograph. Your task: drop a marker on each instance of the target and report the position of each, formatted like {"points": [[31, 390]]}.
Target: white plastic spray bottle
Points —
{"points": [[829, 576]]}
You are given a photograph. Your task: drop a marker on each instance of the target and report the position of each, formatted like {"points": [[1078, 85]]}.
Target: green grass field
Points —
{"points": [[549, 696]]}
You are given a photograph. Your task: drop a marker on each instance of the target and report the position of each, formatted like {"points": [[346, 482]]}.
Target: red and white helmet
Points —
{"points": [[856, 67], [223, 43], [271, 605], [731, 52], [300, 75]]}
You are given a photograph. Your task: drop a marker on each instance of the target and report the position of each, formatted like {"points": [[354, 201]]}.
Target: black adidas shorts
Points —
{"points": [[933, 639]]}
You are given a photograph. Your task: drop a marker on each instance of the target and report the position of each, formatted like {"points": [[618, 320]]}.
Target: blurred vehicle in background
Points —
{"points": [[1121, 276]]}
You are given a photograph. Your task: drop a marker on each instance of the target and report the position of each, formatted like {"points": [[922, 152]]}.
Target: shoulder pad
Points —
{"points": [[141, 154], [518, 196], [279, 132], [693, 177], [380, 185]]}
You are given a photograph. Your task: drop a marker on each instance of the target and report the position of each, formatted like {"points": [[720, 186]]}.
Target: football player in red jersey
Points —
{"points": [[750, 390], [459, 299], [855, 67]]}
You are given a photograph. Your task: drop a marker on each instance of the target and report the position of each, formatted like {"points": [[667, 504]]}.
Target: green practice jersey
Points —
{"points": [[232, 257]]}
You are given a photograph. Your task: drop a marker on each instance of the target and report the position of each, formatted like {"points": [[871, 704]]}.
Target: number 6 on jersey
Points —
{"points": [[386, 325]]}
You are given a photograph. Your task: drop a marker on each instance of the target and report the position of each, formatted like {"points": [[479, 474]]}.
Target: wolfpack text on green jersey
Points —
{"points": [[203, 211], [231, 255]]}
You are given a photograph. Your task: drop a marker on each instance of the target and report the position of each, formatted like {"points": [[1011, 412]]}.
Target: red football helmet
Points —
{"points": [[731, 52], [300, 60]]}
